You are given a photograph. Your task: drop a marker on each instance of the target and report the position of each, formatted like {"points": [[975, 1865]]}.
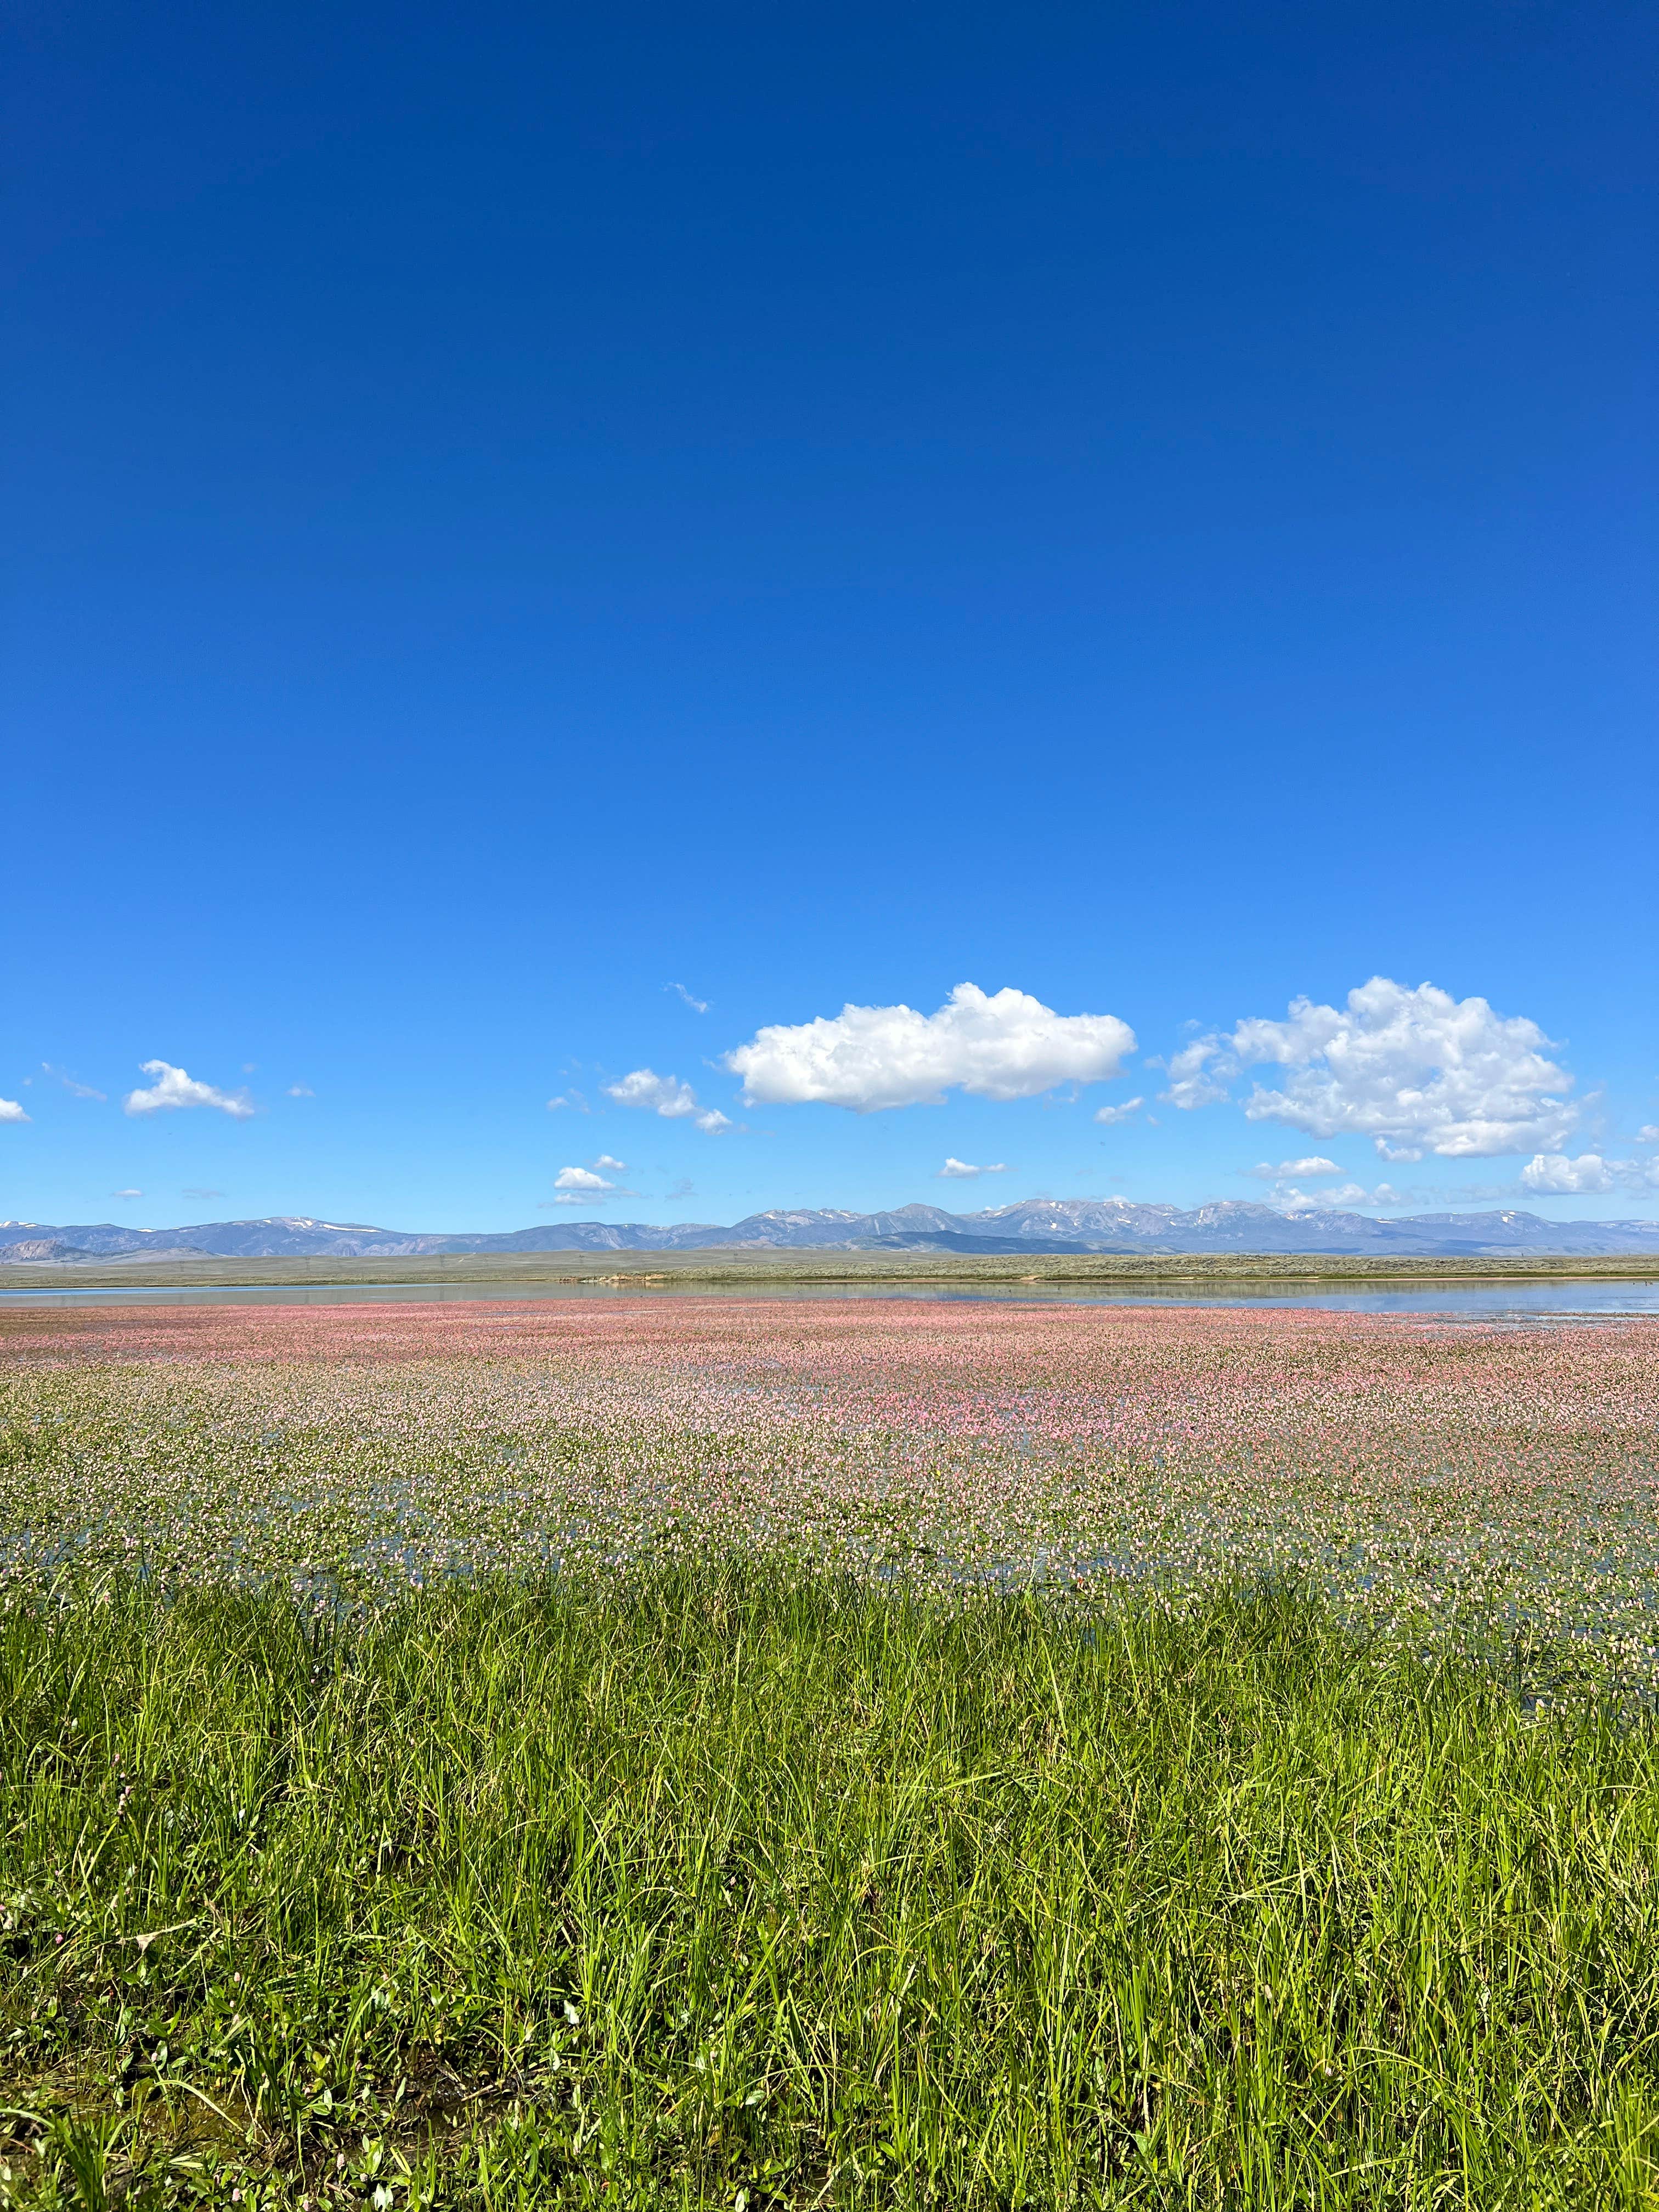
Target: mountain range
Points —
{"points": [[1066, 1225]]}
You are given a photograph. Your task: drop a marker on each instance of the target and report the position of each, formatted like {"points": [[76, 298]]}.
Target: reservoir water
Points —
{"points": [[1494, 1302]]}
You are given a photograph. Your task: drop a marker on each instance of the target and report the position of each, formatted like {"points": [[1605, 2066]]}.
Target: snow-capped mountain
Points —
{"points": [[1061, 1225]]}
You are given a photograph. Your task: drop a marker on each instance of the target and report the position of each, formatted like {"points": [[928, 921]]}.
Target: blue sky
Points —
{"points": [[1150, 511]]}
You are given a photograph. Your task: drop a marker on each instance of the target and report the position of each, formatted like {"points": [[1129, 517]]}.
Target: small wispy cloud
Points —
{"points": [[11, 1111], [76, 1089], [697, 1006], [1284, 1175], [1315, 1164], [616, 1167], [173, 1089], [955, 1170], [1348, 1195], [665, 1095], [653, 1094], [573, 1099], [1109, 1115], [195, 1192], [581, 1188], [300, 1091], [126, 1194]]}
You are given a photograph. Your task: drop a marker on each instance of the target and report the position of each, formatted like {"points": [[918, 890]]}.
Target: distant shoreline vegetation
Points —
{"points": [[758, 1266]]}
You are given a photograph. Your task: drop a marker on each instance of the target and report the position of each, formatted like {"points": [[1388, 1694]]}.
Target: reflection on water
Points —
{"points": [[1494, 1302]]}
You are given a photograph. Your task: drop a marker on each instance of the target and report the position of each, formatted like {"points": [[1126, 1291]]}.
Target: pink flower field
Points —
{"points": [[1450, 1481]]}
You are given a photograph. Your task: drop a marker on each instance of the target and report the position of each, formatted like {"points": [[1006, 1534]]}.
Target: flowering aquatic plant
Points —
{"points": [[1459, 1480]]}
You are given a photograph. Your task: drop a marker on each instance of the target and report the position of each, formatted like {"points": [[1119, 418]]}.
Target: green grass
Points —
{"points": [[762, 1267], [716, 1887]]}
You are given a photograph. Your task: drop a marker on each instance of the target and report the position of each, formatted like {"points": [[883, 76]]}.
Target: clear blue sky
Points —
{"points": [[1149, 509]]}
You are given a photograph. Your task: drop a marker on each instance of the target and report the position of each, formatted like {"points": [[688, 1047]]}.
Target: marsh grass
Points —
{"points": [[721, 1885]]}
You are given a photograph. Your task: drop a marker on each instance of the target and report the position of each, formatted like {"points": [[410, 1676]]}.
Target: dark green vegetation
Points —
{"points": [[762, 1268], [713, 1887]]}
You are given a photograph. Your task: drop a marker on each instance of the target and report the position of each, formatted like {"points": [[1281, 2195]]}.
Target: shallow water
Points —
{"points": [[1516, 1304]]}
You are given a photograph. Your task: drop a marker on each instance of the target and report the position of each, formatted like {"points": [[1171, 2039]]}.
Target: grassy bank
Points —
{"points": [[719, 1888], [765, 1267]]}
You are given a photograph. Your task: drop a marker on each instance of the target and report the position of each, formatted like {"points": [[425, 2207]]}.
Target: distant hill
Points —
{"points": [[1064, 1224]]}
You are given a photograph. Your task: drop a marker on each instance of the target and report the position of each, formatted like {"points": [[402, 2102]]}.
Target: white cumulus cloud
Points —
{"points": [[579, 1179], [11, 1111], [1313, 1165], [667, 1096], [1414, 1070], [1110, 1116], [954, 1168], [1648, 1133], [174, 1088], [1001, 1045], [617, 1167], [1553, 1174]]}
